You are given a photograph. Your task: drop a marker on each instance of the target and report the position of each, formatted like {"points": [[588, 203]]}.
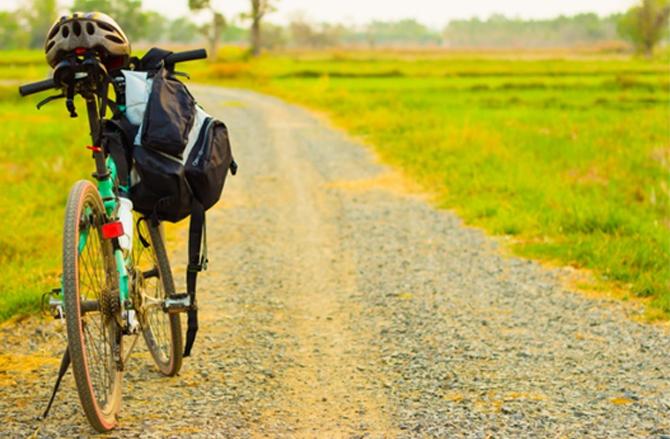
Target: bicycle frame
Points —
{"points": [[106, 177]]}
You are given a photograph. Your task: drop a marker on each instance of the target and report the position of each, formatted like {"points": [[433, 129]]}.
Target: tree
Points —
{"points": [[128, 13], [182, 30], [40, 16], [259, 9], [235, 34], [316, 35], [501, 31], [302, 32], [155, 28], [213, 30], [273, 36], [645, 24], [407, 31], [12, 34]]}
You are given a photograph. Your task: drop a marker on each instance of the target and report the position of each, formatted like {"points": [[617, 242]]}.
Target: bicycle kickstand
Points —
{"points": [[64, 364]]}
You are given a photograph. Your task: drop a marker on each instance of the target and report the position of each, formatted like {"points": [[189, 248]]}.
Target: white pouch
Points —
{"points": [[138, 89]]}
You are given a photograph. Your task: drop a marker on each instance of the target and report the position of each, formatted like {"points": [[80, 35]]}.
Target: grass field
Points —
{"points": [[42, 154], [566, 154]]}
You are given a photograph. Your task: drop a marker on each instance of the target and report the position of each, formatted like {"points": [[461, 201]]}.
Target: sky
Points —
{"points": [[432, 12]]}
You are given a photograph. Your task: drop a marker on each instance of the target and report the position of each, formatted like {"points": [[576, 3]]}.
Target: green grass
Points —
{"points": [[42, 155], [569, 154], [570, 157]]}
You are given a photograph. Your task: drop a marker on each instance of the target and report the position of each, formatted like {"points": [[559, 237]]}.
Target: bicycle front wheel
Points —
{"points": [[91, 302], [162, 331]]}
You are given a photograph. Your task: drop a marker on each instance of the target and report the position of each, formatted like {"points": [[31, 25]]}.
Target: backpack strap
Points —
{"points": [[115, 142], [197, 262]]}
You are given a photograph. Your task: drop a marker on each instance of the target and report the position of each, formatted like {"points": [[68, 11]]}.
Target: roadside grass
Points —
{"points": [[568, 156], [42, 154]]}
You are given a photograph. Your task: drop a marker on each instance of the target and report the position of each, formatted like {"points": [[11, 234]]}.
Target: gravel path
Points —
{"points": [[339, 304]]}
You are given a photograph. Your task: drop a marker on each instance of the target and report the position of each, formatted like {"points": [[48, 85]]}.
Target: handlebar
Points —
{"points": [[189, 55], [37, 87], [170, 60]]}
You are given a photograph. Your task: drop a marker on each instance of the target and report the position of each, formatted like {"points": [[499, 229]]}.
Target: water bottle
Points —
{"points": [[126, 218]]}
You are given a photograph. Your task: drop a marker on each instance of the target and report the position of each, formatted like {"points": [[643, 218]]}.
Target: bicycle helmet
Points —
{"points": [[87, 30]]}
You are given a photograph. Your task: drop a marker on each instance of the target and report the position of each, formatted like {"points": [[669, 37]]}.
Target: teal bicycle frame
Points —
{"points": [[106, 176], [111, 202]]}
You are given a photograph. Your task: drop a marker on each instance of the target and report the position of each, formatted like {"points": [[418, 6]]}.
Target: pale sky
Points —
{"points": [[432, 12]]}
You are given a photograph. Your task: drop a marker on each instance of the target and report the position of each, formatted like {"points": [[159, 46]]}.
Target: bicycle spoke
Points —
{"points": [[96, 363], [159, 327]]}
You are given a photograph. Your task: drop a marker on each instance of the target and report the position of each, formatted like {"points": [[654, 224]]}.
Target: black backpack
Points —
{"points": [[176, 158]]}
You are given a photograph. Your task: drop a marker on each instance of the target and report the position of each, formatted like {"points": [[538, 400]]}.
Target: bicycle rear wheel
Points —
{"points": [[91, 301], [162, 331]]}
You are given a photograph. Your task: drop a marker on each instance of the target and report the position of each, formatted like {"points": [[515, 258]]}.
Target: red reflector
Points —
{"points": [[80, 51], [94, 148], [112, 230]]}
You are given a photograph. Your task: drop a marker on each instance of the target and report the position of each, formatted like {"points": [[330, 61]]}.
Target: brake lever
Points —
{"points": [[69, 102], [184, 74], [49, 99]]}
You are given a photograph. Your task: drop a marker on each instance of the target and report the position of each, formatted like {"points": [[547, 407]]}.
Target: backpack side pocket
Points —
{"points": [[208, 162]]}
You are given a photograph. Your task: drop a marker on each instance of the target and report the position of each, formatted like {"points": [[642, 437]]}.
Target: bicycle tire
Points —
{"points": [[92, 277], [161, 330]]}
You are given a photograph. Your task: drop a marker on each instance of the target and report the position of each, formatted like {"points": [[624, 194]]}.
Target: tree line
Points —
{"points": [[644, 25], [27, 26]]}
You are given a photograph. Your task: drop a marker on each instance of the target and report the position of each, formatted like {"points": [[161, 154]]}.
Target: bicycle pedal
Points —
{"points": [[177, 303], [132, 325], [53, 300]]}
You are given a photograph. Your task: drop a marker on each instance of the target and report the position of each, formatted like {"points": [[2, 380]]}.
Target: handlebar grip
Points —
{"points": [[37, 87], [188, 55]]}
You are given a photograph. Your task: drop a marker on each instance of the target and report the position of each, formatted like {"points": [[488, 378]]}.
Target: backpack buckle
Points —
{"points": [[197, 268]]}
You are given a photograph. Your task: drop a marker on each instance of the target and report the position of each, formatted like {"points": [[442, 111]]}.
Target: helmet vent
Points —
{"points": [[90, 29], [65, 31], [53, 32], [50, 45], [76, 28], [114, 38], [105, 26]]}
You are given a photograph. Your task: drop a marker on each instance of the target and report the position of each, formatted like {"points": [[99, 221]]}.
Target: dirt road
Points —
{"points": [[339, 304]]}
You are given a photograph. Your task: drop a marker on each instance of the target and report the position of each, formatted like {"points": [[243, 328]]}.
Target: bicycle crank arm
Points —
{"points": [[151, 273], [126, 357], [151, 302], [90, 306], [56, 306]]}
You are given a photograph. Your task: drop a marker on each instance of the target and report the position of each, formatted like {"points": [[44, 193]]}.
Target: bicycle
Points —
{"points": [[108, 293]]}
